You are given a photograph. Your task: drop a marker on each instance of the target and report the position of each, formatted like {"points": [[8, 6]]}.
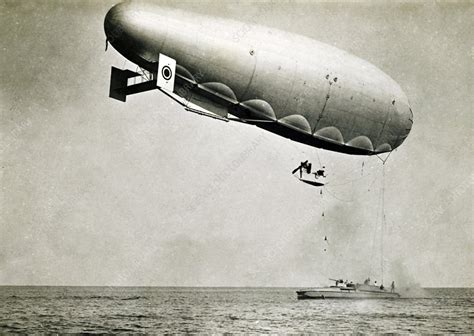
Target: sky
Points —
{"points": [[97, 192]]}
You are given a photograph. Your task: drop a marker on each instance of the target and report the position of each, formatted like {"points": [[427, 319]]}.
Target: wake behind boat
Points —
{"points": [[345, 290]]}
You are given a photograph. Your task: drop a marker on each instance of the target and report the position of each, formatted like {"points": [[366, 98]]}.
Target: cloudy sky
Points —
{"points": [[97, 192]]}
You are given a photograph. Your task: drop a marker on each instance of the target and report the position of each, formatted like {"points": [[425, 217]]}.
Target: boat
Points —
{"points": [[345, 290]]}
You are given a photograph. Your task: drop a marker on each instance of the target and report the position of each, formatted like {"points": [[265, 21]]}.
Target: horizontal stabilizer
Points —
{"points": [[119, 88]]}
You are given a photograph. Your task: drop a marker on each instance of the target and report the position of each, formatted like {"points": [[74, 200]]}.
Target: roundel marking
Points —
{"points": [[166, 72]]}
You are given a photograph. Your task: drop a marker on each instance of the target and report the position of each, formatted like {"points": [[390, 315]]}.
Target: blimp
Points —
{"points": [[284, 83]]}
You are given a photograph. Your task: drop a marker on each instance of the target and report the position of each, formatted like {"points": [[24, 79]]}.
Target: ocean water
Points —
{"points": [[219, 310]]}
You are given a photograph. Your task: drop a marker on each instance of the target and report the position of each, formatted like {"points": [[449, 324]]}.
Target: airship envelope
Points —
{"points": [[285, 83]]}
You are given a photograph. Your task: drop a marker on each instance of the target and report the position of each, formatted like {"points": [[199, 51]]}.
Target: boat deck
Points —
{"points": [[357, 291]]}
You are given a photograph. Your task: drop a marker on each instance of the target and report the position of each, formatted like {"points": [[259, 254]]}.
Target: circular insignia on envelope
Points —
{"points": [[166, 72]]}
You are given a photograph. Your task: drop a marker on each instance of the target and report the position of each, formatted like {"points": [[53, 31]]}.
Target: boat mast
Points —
{"points": [[383, 221], [379, 228]]}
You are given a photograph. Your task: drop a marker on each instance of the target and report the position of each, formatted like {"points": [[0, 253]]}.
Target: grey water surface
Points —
{"points": [[42, 309]]}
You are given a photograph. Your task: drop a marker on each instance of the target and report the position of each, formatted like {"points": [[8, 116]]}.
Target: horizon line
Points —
{"points": [[177, 286]]}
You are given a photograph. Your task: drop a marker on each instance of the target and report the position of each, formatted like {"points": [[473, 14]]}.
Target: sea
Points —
{"points": [[43, 309]]}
